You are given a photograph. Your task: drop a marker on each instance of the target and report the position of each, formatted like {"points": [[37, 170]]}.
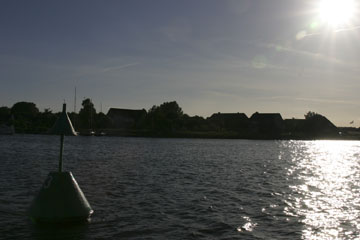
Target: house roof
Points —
{"points": [[266, 116], [229, 115], [321, 120], [125, 112]]}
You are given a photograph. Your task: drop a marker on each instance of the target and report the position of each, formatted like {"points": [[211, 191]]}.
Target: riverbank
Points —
{"points": [[346, 135]]}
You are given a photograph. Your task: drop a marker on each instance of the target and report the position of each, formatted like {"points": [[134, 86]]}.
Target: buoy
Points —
{"points": [[60, 199]]}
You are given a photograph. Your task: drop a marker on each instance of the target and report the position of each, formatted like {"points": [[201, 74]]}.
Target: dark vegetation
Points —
{"points": [[168, 120]]}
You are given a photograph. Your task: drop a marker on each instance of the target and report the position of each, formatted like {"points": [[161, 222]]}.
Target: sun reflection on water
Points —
{"points": [[325, 189]]}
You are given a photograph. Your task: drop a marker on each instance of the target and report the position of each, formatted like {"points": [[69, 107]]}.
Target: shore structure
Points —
{"points": [[227, 125], [168, 120]]}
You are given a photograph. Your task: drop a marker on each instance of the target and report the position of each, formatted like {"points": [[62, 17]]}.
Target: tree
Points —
{"points": [[26, 110], [87, 114], [171, 110], [46, 120], [195, 123], [310, 115], [317, 125], [25, 114], [5, 114], [166, 117], [102, 121]]}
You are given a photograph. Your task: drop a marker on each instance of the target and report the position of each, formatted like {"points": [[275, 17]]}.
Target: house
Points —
{"points": [[314, 127], [267, 125], [294, 128], [126, 118], [320, 126], [230, 121], [294, 125]]}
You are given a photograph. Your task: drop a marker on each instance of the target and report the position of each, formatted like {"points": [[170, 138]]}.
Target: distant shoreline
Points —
{"points": [[169, 121], [207, 136]]}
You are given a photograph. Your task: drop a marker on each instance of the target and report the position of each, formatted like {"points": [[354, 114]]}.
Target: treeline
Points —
{"points": [[27, 118], [169, 120], [166, 118]]}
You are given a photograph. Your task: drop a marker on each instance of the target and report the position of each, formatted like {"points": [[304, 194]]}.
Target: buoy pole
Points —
{"points": [[62, 143], [61, 151]]}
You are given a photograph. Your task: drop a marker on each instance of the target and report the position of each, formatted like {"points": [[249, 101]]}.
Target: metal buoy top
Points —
{"points": [[63, 125]]}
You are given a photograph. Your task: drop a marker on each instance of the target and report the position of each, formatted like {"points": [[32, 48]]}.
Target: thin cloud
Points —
{"points": [[312, 55], [313, 100], [121, 67], [305, 35], [274, 98], [86, 70], [348, 29], [335, 101]]}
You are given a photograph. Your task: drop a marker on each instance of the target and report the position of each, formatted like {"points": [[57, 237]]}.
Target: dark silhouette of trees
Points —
{"points": [[87, 114], [310, 115], [196, 123], [168, 120], [166, 117], [24, 110], [5, 115], [45, 120], [25, 114], [316, 125], [102, 121]]}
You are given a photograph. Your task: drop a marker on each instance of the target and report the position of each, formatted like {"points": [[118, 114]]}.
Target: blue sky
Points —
{"points": [[208, 55]]}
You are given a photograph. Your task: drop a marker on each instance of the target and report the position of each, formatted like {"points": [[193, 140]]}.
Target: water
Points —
{"points": [[188, 188]]}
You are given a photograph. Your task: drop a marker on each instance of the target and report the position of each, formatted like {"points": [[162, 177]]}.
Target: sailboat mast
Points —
{"points": [[74, 118], [91, 114], [75, 101]]}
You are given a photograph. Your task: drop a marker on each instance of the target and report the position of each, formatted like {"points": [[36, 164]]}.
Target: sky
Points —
{"points": [[208, 55]]}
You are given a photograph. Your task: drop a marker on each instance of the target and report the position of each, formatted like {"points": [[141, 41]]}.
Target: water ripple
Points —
{"points": [[188, 188]]}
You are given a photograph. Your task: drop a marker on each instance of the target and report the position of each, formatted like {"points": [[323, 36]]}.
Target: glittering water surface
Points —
{"points": [[188, 188]]}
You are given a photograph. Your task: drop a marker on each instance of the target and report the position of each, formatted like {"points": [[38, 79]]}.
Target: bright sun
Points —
{"points": [[336, 12]]}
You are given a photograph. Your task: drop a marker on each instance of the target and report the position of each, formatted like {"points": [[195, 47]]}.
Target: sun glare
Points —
{"points": [[336, 13]]}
